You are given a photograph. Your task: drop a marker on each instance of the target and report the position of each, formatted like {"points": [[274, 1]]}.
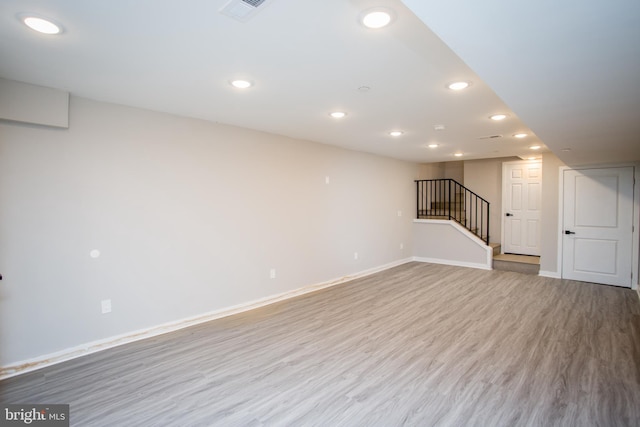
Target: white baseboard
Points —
{"points": [[115, 341], [551, 274], [453, 263]]}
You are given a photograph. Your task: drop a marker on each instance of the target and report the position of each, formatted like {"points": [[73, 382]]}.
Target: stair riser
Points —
{"points": [[446, 205], [518, 267]]}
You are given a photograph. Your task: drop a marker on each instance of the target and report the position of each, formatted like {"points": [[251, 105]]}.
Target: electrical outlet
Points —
{"points": [[401, 246], [326, 179], [106, 306], [355, 255], [272, 273], [399, 213]]}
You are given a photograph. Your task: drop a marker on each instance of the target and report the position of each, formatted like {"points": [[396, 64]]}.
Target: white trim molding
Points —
{"points": [[115, 341], [551, 274], [452, 263]]}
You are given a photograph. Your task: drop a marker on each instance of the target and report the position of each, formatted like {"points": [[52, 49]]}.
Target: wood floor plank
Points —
{"points": [[416, 345]]}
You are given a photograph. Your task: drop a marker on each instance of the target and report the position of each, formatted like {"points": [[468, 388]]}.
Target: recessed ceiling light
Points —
{"points": [[565, 150], [396, 133], [438, 127], [535, 147], [338, 114], [41, 25], [520, 135], [364, 89], [432, 145], [376, 18], [241, 84], [458, 85], [458, 154], [532, 158], [498, 117]]}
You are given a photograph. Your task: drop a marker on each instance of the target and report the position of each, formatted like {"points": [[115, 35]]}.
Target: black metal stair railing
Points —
{"points": [[448, 199]]}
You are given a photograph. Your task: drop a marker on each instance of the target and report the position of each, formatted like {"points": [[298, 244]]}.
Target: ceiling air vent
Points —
{"points": [[490, 137], [242, 10]]}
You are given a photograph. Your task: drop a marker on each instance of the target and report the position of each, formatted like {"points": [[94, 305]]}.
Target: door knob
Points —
{"points": [[509, 214], [569, 232]]}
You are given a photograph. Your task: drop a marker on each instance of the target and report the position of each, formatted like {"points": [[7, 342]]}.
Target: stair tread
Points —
{"points": [[523, 259]]}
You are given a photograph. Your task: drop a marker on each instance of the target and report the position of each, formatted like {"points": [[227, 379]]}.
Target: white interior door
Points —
{"points": [[521, 199], [598, 225]]}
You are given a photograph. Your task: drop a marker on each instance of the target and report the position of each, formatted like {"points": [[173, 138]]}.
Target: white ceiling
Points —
{"points": [[568, 71]]}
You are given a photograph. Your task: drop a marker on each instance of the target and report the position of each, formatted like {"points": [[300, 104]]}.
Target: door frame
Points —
{"points": [[635, 249], [502, 201]]}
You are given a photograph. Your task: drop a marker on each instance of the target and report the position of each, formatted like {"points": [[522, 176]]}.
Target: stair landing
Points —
{"points": [[519, 263]]}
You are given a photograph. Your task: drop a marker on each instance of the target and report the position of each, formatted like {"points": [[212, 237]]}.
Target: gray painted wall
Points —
{"points": [[188, 216], [484, 177], [431, 170], [453, 246], [22, 102], [550, 207], [441, 170]]}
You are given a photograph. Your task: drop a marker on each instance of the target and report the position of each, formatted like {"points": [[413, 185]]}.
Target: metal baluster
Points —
{"points": [[481, 219], [488, 221], [449, 197], [475, 226]]}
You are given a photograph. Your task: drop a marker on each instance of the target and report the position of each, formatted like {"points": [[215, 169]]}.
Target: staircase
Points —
{"points": [[447, 199], [519, 263], [450, 200]]}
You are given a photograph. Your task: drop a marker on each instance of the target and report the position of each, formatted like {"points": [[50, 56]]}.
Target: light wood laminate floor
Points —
{"points": [[416, 345]]}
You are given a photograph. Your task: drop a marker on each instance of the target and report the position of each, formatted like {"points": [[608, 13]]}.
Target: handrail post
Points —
{"points": [[449, 197], [488, 222], [417, 199]]}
